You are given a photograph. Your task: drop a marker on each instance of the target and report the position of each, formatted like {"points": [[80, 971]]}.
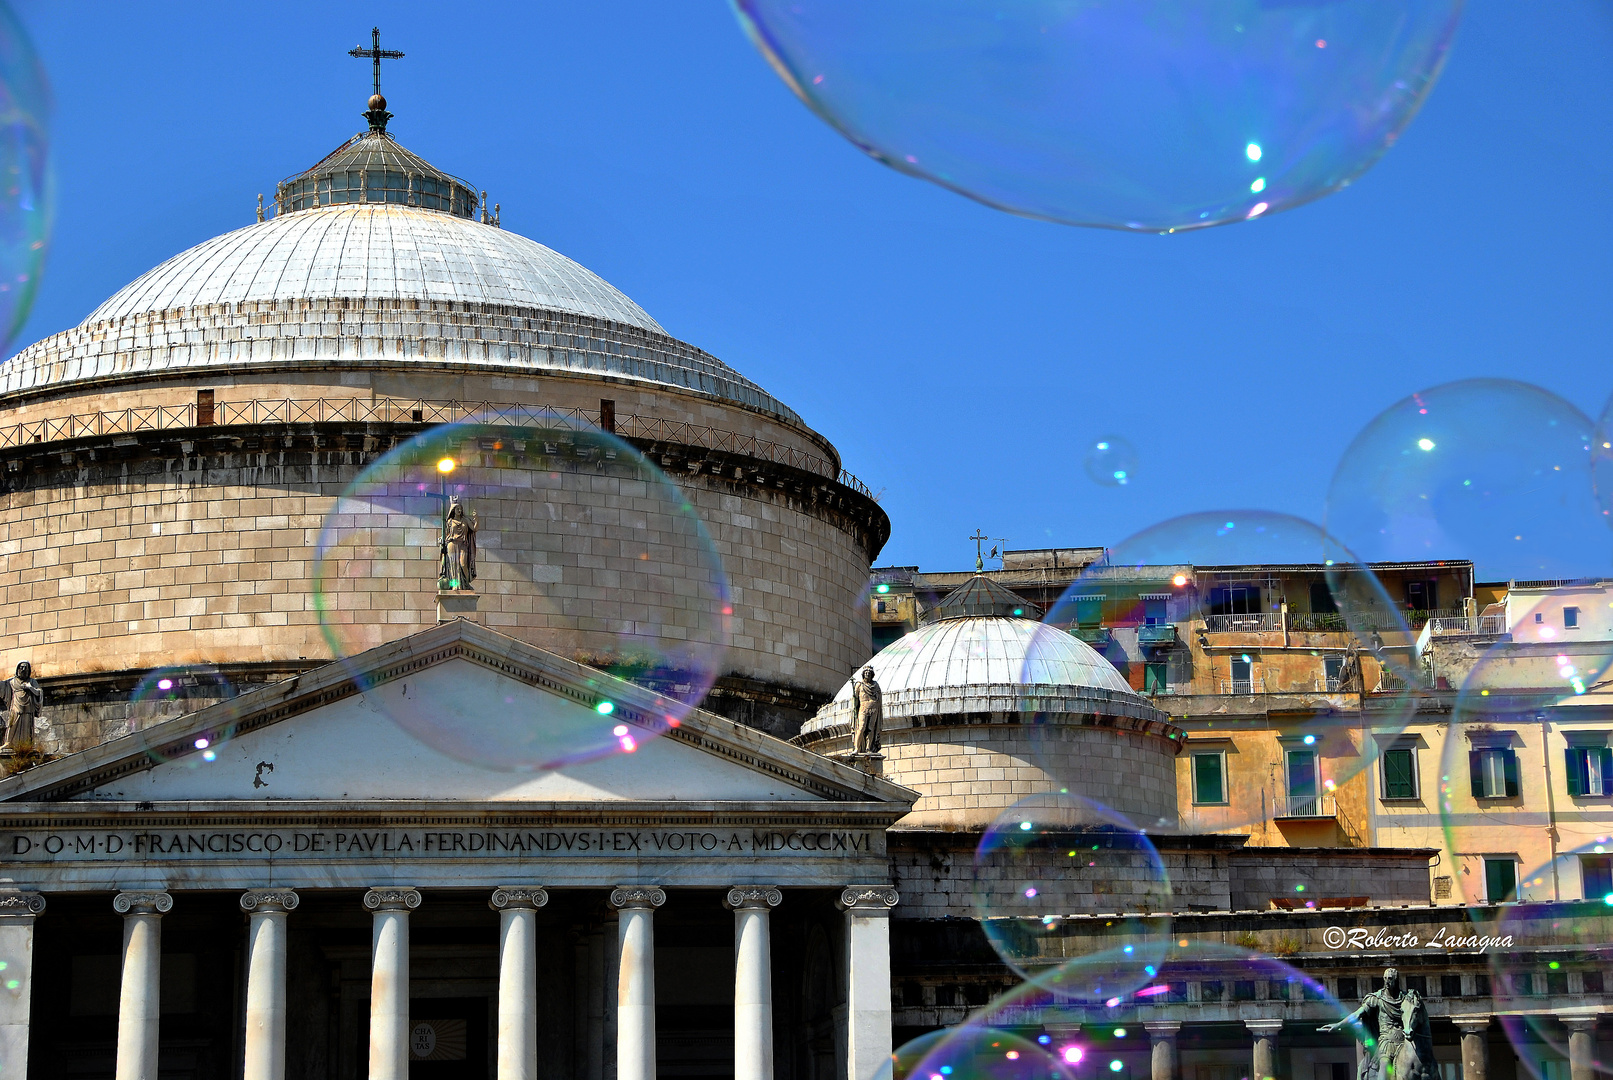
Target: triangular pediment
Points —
{"points": [[332, 734]]}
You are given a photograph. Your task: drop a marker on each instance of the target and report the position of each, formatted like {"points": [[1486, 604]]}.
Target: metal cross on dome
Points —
{"points": [[376, 53]]}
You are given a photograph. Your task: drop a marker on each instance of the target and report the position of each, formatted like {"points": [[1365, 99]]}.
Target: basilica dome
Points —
{"points": [[170, 460], [985, 706]]}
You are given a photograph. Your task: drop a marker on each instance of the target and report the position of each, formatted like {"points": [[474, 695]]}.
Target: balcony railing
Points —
{"points": [[1157, 635], [1097, 636], [1255, 684], [1253, 623], [404, 411], [1468, 624], [1302, 807]]}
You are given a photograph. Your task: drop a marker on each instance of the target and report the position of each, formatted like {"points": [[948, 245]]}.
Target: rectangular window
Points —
{"points": [[1593, 982], [1302, 784], [1493, 772], [1235, 600], [204, 408], [1154, 612], [1596, 871], [1209, 779], [1422, 595], [1590, 770], [1501, 882], [1243, 670], [1155, 676], [1322, 602], [1088, 610], [1400, 773], [1332, 668], [1347, 988], [1450, 986], [1571, 618]]}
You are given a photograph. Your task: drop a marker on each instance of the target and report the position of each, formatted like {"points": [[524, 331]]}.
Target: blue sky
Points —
{"points": [[960, 358]]}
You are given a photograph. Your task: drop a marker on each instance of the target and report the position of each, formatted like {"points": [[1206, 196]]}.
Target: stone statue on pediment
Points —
{"points": [[870, 715], [458, 569], [1398, 1020], [21, 701]]}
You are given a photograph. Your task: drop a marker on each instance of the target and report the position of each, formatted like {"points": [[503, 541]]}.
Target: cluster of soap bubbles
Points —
{"points": [[1146, 115], [553, 532], [26, 189]]}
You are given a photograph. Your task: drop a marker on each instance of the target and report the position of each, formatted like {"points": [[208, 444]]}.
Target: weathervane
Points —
{"points": [[377, 114]]}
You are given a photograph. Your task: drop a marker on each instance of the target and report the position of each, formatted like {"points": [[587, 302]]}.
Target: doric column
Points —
{"points": [[635, 986], [752, 906], [1475, 1044], [868, 975], [517, 907], [17, 912], [266, 981], [1162, 1044], [1265, 1050], [389, 981], [1581, 1044], [139, 1005]]}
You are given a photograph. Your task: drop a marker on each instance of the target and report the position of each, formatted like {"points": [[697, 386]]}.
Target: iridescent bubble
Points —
{"points": [[26, 189], [558, 534], [973, 1052], [1264, 606], [1057, 871], [1111, 461], [1491, 470], [1542, 957], [1149, 116], [168, 693]]}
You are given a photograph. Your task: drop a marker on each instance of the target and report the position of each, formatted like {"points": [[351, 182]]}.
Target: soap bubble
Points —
{"points": [[1056, 870], [581, 547], [1150, 116], [1548, 971], [1111, 461], [1196, 605], [973, 1053], [1491, 470], [26, 187]]}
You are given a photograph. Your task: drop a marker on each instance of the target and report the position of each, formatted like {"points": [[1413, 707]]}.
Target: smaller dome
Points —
{"points": [[983, 596], [978, 664]]}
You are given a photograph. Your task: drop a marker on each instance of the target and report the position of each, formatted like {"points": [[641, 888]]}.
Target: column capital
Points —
{"points": [[761, 897], [637, 896], [142, 903], [1162, 1029], [1579, 1021], [1264, 1028], [868, 899], [281, 900], [1471, 1022], [520, 897], [20, 904], [392, 898]]}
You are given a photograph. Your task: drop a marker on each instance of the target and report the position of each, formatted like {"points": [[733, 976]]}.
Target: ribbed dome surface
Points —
{"points": [[374, 252], [991, 664]]}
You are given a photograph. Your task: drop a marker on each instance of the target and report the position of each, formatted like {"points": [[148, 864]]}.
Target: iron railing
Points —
{"points": [[1253, 623], [322, 410], [1468, 624], [1255, 684], [1304, 806]]}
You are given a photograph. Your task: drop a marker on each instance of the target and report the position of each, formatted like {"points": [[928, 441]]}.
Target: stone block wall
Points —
{"points": [[1385, 876], [969, 774], [209, 557]]}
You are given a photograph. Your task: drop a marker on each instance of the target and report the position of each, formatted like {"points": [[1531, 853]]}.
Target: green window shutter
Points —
{"points": [[1398, 782], [1510, 761], [1604, 761], [1207, 785], [1574, 773], [1500, 880], [1475, 770]]}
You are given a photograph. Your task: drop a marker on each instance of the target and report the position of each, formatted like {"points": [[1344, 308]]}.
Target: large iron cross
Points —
{"points": [[376, 53]]}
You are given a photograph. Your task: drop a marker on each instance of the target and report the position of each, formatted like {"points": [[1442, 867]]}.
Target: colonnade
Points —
{"points": [[866, 909]]}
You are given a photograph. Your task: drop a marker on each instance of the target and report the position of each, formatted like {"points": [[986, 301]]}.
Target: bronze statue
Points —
{"points": [[869, 700], [1404, 1048], [21, 700], [458, 564]]}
